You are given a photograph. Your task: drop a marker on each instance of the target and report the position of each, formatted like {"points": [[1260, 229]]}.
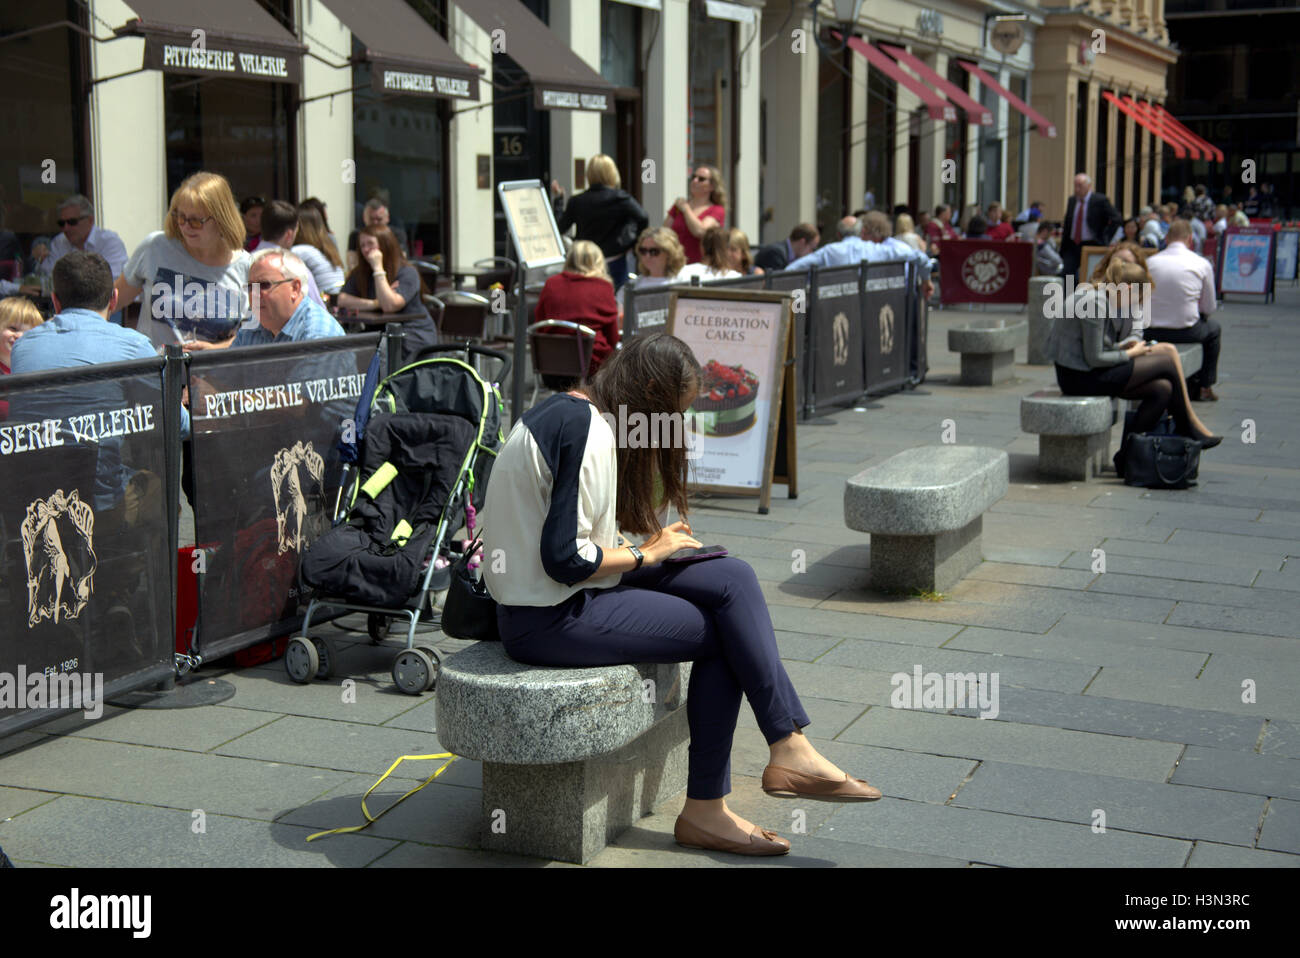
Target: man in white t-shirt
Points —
{"points": [[1181, 305], [77, 222]]}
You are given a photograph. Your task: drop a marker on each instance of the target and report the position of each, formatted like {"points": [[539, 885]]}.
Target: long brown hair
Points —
{"points": [[713, 247], [311, 230], [362, 274], [649, 376], [1139, 254]]}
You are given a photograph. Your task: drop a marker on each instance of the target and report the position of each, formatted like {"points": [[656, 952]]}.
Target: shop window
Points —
{"points": [[42, 119], [238, 128]]}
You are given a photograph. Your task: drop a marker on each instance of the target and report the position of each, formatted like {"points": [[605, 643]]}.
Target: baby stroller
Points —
{"points": [[427, 440]]}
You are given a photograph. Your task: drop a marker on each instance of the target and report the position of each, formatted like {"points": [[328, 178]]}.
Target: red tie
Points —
{"points": [[1078, 223]]}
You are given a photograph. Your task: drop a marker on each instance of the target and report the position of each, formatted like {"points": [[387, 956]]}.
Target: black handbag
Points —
{"points": [[469, 611], [1159, 461]]}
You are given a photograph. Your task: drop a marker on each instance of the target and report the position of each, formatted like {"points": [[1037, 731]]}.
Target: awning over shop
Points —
{"points": [[1167, 132], [1141, 120], [560, 78], [1208, 148], [1044, 126], [406, 55], [936, 105], [236, 39], [975, 112]]}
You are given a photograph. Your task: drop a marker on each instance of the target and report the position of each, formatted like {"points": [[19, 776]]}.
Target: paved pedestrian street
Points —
{"points": [[1148, 715]]}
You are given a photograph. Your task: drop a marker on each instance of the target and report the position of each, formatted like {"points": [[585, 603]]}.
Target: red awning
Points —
{"points": [[975, 111], [1167, 132], [1208, 148], [1045, 126], [938, 107], [1141, 121]]}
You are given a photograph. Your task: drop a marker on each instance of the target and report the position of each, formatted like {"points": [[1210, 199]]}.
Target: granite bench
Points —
{"points": [[988, 353], [924, 509], [1073, 432], [571, 757]]}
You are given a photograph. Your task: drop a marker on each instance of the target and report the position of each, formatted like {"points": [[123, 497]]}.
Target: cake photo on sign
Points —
{"points": [[727, 399]]}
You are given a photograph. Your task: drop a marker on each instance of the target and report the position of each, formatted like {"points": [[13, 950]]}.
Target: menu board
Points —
{"points": [[742, 342], [532, 223], [1246, 261]]}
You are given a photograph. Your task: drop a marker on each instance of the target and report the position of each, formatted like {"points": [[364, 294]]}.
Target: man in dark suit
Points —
{"points": [[776, 256], [1090, 220]]}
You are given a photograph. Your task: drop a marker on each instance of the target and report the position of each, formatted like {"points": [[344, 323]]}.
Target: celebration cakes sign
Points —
{"points": [[742, 341]]}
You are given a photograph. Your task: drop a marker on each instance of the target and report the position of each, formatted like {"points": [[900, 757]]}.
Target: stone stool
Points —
{"points": [[988, 353], [1073, 432], [925, 511], [571, 757]]}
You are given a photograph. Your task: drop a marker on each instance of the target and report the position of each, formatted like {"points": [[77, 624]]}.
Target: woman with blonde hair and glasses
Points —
{"points": [[605, 214], [194, 271], [583, 293], [706, 208]]}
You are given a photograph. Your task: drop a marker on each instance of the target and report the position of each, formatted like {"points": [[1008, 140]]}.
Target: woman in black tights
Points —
{"points": [[1088, 363]]}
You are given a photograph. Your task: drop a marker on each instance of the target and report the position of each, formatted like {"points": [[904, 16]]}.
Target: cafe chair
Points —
{"points": [[460, 316], [557, 351]]}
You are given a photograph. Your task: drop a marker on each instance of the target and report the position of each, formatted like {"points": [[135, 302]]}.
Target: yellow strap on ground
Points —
{"points": [[371, 819], [401, 532], [380, 480]]}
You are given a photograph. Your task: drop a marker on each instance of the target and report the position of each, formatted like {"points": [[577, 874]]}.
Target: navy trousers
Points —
{"points": [[711, 613]]}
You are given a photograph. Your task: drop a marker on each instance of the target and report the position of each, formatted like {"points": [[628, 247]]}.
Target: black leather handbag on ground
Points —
{"points": [[469, 611], [1159, 461]]}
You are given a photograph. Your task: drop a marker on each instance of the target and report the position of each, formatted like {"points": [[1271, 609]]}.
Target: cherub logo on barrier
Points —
{"points": [[886, 329], [840, 331], [60, 577], [287, 482]]}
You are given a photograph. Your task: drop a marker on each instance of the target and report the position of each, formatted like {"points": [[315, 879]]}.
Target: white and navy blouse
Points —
{"points": [[550, 506]]}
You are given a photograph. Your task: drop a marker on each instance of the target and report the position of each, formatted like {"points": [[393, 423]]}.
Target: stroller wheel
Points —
{"points": [[414, 671], [327, 654], [301, 660], [377, 625]]}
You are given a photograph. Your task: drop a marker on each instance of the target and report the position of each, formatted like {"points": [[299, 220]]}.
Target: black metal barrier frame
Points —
{"points": [[91, 424], [81, 450], [903, 328]]}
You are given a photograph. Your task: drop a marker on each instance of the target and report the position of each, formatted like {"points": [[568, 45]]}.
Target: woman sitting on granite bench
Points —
{"points": [[573, 594]]}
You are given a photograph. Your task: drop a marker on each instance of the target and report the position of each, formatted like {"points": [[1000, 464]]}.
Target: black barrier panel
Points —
{"points": [[788, 281], [885, 326], [753, 281], [646, 310], [267, 422], [836, 336], [918, 328], [85, 579]]}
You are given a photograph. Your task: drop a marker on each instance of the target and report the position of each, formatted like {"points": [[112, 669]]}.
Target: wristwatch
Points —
{"points": [[639, 555]]}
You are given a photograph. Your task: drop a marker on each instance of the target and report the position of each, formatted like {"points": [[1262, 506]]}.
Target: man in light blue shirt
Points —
{"points": [[285, 313], [874, 246], [81, 335]]}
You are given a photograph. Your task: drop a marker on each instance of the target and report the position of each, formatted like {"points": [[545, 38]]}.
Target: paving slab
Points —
{"points": [[1202, 593], [1190, 638], [1056, 578], [997, 839], [197, 729], [1281, 738], [1236, 618], [345, 747], [374, 700], [1161, 569], [437, 814], [829, 716], [172, 778], [985, 740], [15, 801], [1211, 855], [1254, 558], [1151, 808], [1270, 775], [1281, 831], [1012, 671], [1061, 601], [129, 835], [1159, 723], [948, 610], [1083, 650], [1215, 693]]}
